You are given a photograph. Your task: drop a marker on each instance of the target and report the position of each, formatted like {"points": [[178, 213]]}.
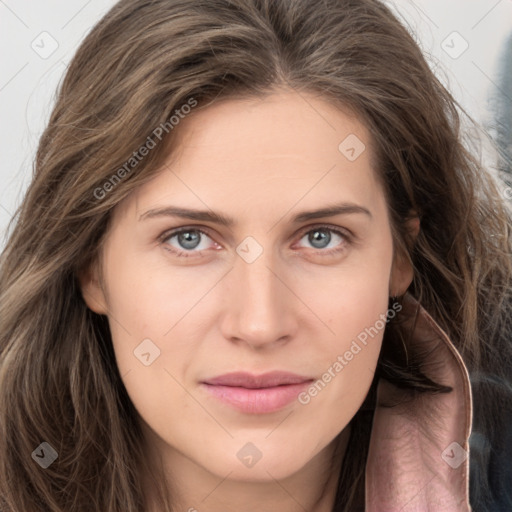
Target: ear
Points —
{"points": [[92, 291], [402, 272]]}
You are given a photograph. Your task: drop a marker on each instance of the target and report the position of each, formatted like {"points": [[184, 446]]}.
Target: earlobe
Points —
{"points": [[413, 226], [92, 291], [402, 272]]}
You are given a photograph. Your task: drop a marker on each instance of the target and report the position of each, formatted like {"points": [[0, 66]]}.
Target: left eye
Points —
{"points": [[321, 237]]}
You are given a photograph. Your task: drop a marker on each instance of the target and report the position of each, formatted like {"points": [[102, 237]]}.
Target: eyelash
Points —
{"points": [[188, 254]]}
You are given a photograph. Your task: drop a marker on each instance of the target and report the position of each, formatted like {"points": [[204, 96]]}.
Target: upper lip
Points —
{"points": [[251, 381]]}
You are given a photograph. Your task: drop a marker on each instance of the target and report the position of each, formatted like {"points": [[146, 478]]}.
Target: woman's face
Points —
{"points": [[279, 290]]}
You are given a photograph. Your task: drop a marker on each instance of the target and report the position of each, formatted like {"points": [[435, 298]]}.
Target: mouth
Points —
{"points": [[256, 394]]}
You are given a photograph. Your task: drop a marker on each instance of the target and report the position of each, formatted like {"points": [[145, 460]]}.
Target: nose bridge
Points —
{"points": [[260, 304], [259, 279]]}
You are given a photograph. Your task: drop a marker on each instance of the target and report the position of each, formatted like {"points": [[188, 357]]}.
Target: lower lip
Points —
{"points": [[257, 401]]}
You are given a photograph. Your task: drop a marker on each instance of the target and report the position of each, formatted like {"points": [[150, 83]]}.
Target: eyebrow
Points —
{"points": [[224, 220]]}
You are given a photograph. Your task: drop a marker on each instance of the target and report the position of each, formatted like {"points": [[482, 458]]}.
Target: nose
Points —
{"points": [[260, 304]]}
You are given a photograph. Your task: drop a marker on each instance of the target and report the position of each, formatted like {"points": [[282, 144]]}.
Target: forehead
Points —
{"points": [[286, 148], [284, 124]]}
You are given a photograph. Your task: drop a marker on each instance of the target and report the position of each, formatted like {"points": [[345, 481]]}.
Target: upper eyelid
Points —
{"points": [[345, 231]]}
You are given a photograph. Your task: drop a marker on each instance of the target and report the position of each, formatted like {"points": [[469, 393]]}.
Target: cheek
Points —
{"points": [[349, 299], [146, 313], [334, 399], [148, 299], [153, 313], [347, 367], [354, 304]]}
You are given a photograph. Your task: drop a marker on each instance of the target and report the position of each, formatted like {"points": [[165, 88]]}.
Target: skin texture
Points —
{"points": [[293, 308]]}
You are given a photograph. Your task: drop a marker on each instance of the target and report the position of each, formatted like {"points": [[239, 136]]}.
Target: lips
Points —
{"points": [[256, 394]]}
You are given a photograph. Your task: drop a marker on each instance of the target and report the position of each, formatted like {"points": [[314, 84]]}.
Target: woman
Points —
{"points": [[171, 338]]}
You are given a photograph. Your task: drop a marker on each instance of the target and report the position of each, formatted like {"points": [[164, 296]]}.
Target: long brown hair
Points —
{"points": [[143, 61]]}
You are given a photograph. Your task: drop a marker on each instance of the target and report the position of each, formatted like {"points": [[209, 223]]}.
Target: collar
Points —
{"points": [[418, 453]]}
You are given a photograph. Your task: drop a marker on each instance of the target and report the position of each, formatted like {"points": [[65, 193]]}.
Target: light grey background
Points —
{"points": [[39, 39]]}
